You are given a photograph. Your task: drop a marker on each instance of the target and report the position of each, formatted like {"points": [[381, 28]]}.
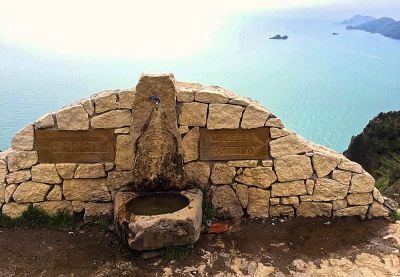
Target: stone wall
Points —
{"points": [[301, 178]]}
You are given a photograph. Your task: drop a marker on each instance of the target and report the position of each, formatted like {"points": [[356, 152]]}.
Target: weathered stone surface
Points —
{"points": [[352, 211], [66, 170], [55, 194], [241, 101], [24, 139], [390, 204], [288, 188], [73, 118], [324, 164], [281, 210], [95, 211], [183, 129], [261, 177], [8, 193], [46, 121], [292, 200], [339, 204], [78, 206], [306, 198], [350, 166], [242, 193], [108, 166], [90, 171], [86, 190], [222, 174], [105, 101], [359, 199], [124, 153], [18, 160], [254, 116], [288, 145], [378, 210], [3, 171], [274, 122], [190, 145], [243, 163], [258, 206], [211, 94], [45, 173], [193, 114], [274, 201], [53, 207], [2, 192], [343, 177], [123, 130], [197, 173], [224, 116], [310, 184], [14, 210], [31, 192], [378, 196], [225, 203], [119, 179], [278, 133], [88, 106], [126, 98], [18, 176], [312, 209], [362, 183], [293, 167], [185, 95], [112, 119], [268, 163], [328, 189]]}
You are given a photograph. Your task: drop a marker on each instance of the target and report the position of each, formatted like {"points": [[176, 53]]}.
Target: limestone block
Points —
{"points": [[24, 139], [8, 193], [73, 118], [313, 209], [105, 101], [222, 174], [45, 173], [324, 163], [225, 203], [18, 160], [46, 121], [124, 153], [14, 210], [293, 167], [126, 98], [267, 163], [211, 94], [352, 211], [66, 170], [190, 145], [362, 183], [108, 166], [18, 176], [274, 122], [310, 184], [274, 201], [339, 204], [390, 204], [183, 129], [55, 194], [123, 130], [378, 210], [242, 193], [119, 179], [185, 95], [292, 200], [288, 188], [86, 190], [288, 145], [54, 207], [360, 199], [2, 192], [241, 101], [31, 192], [278, 133], [3, 171], [343, 177], [243, 163], [254, 116], [258, 206], [224, 116], [378, 196], [193, 114], [112, 119], [88, 106], [197, 173], [78, 206], [350, 166], [328, 190], [261, 177], [281, 210], [306, 198], [95, 211], [90, 171]]}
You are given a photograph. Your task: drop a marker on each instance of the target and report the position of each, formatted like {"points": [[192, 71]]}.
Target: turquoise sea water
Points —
{"points": [[324, 87]]}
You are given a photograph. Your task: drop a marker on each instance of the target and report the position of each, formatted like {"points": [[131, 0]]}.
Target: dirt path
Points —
{"points": [[299, 247]]}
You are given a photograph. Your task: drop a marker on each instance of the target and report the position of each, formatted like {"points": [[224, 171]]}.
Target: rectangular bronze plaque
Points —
{"points": [[236, 144], [56, 146]]}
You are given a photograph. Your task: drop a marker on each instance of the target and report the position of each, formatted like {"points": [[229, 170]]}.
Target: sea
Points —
{"points": [[325, 87]]}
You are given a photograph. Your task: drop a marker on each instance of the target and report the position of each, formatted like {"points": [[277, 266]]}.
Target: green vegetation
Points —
{"points": [[387, 171], [208, 211], [396, 214], [178, 252], [104, 223], [37, 218]]}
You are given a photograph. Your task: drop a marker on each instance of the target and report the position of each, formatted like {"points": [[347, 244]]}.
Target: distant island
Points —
{"points": [[279, 37], [386, 26]]}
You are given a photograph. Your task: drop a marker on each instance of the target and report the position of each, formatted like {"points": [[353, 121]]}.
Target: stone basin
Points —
{"points": [[157, 220]]}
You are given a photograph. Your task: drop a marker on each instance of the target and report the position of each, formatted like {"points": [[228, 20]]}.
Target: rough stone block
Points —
{"points": [[222, 174], [288, 188], [24, 139], [94, 190], [312, 209], [293, 167], [261, 177], [45, 173], [225, 203], [193, 114], [224, 116], [73, 118]]}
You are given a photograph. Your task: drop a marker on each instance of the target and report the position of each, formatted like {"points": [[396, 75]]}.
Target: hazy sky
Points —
{"points": [[149, 28]]}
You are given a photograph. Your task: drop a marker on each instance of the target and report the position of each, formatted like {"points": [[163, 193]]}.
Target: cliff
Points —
{"points": [[357, 20], [385, 26]]}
